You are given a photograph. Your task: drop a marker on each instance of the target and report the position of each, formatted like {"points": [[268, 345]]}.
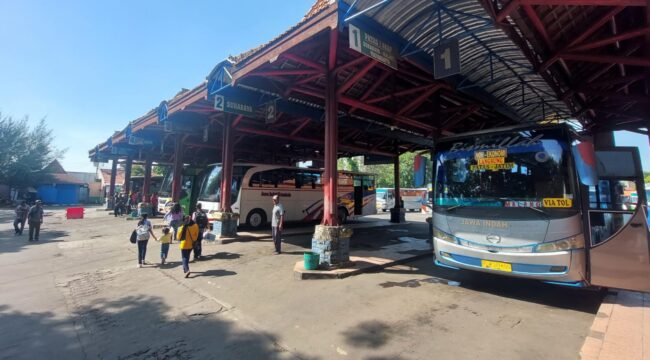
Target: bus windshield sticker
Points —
{"points": [[492, 167], [557, 203], [533, 204]]}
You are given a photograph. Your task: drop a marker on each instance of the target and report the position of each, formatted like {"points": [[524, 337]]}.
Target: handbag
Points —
{"points": [[134, 237]]}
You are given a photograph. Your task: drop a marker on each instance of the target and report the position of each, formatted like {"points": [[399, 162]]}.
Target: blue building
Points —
{"points": [[61, 188]]}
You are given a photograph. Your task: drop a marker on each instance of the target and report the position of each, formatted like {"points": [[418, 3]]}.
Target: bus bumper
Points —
{"points": [[560, 266]]}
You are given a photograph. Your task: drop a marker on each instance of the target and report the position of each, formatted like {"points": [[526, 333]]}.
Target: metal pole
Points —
{"points": [[226, 165], [146, 186], [178, 168], [111, 188], [330, 178], [398, 198], [127, 175]]}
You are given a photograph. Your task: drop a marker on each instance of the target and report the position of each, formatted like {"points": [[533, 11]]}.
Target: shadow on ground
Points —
{"points": [[583, 300], [9, 242], [133, 327]]}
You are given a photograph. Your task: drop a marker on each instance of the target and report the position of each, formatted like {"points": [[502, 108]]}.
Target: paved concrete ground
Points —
{"points": [[621, 329], [77, 294]]}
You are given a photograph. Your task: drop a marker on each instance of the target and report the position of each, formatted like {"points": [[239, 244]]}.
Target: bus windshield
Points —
{"points": [[166, 186], [519, 169], [211, 186]]}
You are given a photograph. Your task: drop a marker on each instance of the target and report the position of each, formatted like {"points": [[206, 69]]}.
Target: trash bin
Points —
{"points": [[311, 260]]}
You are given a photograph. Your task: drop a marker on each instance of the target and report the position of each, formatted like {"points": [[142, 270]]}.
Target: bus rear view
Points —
{"points": [[506, 202]]}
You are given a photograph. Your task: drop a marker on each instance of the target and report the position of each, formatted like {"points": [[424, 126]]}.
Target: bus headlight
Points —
{"points": [[444, 236], [573, 242]]}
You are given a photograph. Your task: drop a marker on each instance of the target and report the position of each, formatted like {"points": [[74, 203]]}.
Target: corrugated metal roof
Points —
{"points": [[489, 59]]}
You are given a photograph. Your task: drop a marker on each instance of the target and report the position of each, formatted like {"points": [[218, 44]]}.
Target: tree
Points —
{"points": [[384, 174], [156, 170], [25, 152]]}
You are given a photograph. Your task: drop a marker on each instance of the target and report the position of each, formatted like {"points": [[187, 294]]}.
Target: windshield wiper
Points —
{"points": [[454, 207]]}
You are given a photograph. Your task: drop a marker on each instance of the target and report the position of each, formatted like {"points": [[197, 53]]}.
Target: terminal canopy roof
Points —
{"points": [[514, 68]]}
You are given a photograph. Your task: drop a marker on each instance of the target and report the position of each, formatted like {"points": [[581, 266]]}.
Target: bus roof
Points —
{"points": [[507, 129], [272, 166]]}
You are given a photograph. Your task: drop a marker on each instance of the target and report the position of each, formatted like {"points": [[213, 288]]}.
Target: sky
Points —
{"points": [[90, 67]]}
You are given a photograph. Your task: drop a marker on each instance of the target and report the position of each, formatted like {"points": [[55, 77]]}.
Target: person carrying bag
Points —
{"points": [[187, 234]]}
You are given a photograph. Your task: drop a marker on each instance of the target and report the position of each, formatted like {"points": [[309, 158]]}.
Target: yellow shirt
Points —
{"points": [[166, 238], [191, 235]]}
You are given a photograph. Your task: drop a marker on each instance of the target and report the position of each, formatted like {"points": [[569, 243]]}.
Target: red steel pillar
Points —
{"points": [[396, 213], [226, 164], [330, 176], [146, 185], [178, 169], [111, 187], [127, 176]]}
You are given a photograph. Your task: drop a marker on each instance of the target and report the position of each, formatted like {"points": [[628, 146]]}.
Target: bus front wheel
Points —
{"points": [[256, 219]]}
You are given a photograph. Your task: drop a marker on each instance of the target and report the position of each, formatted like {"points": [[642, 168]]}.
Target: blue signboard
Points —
{"points": [[162, 111], [446, 59]]}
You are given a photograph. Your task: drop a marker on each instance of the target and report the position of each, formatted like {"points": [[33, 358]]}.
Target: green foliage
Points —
{"points": [[25, 151], [156, 170], [646, 178], [384, 173]]}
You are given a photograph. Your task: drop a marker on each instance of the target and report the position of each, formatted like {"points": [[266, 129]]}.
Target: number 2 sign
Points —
{"points": [[219, 103], [446, 59]]}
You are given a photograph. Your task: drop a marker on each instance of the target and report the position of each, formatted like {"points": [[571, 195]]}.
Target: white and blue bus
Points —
{"points": [[538, 202]]}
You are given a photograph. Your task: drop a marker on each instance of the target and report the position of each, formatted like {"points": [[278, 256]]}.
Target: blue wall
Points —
{"points": [[59, 194]]}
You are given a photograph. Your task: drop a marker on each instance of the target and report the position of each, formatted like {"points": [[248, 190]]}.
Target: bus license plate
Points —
{"points": [[496, 265]]}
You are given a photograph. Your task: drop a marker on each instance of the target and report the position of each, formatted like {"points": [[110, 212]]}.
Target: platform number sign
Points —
{"points": [[270, 111], [446, 59], [219, 103], [373, 46]]}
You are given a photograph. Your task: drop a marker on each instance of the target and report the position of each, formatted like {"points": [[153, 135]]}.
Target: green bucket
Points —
{"points": [[311, 260]]}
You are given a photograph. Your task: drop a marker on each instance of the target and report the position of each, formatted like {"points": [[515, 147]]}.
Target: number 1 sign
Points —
{"points": [[446, 59]]}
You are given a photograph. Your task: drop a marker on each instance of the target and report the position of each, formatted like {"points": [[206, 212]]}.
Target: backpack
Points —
{"points": [[142, 232], [201, 219]]}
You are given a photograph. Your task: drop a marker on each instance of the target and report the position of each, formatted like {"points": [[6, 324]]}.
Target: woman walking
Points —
{"points": [[187, 234], [174, 218], [144, 230]]}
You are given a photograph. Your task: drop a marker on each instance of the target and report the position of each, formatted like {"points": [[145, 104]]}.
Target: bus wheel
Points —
{"points": [[256, 219], [343, 215]]}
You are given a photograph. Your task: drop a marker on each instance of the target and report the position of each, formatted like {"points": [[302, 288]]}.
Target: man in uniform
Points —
{"points": [[277, 223]]}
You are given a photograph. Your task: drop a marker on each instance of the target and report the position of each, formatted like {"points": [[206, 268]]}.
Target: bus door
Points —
{"points": [[619, 242], [358, 195]]}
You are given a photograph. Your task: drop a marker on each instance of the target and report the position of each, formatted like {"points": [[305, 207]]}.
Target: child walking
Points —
{"points": [[165, 240]]}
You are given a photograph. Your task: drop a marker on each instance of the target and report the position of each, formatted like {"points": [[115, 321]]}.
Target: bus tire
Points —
{"points": [[256, 219], [343, 215]]}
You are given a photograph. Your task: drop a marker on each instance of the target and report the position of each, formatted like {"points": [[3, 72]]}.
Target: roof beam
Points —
{"points": [[597, 25], [300, 127], [369, 108], [418, 101], [308, 140], [584, 2], [399, 93], [607, 59], [507, 10], [293, 72], [539, 26], [356, 77], [580, 38], [303, 61], [611, 39]]}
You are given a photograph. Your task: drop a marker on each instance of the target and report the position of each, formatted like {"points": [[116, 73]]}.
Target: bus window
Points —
{"points": [[308, 179]]}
